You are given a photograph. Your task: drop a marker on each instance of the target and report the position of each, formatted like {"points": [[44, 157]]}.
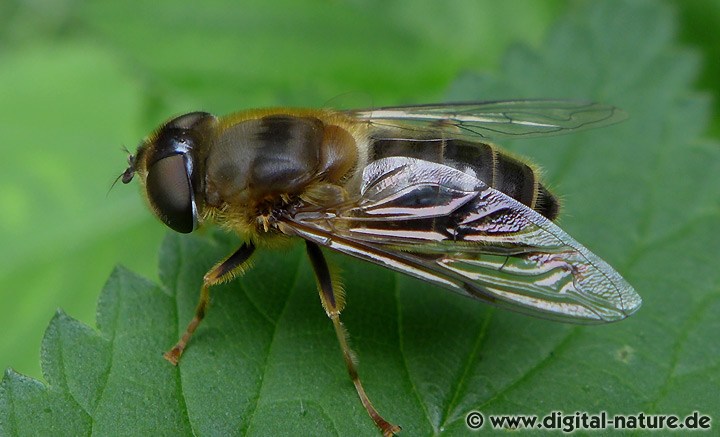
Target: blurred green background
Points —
{"points": [[78, 80]]}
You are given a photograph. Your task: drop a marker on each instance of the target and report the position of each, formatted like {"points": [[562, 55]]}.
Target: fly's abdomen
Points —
{"points": [[484, 161]]}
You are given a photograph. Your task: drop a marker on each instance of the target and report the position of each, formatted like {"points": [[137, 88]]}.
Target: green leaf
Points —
{"points": [[644, 195]]}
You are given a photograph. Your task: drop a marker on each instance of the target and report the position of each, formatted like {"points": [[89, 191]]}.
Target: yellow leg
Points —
{"points": [[223, 271], [333, 302]]}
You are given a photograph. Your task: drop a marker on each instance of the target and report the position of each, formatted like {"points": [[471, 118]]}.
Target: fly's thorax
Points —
{"points": [[259, 162]]}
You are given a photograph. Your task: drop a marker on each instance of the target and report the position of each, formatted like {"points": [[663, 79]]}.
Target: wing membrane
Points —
{"points": [[490, 120], [445, 226]]}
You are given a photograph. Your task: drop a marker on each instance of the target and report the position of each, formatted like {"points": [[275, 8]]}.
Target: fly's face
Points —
{"points": [[170, 163]]}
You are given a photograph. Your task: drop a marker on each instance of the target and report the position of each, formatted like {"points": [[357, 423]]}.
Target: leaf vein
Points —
{"points": [[682, 335], [462, 381], [11, 403], [530, 372], [178, 371], [403, 356], [66, 385], [256, 400], [111, 353]]}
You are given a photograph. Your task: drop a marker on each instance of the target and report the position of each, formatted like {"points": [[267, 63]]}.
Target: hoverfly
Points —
{"points": [[418, 189]]}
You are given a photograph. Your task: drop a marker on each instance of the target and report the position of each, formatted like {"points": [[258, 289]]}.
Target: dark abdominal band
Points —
{"points": [[499, 170]]}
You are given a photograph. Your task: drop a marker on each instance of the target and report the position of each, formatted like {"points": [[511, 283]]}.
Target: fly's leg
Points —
{"points": [[223, 271], [333, 302]]}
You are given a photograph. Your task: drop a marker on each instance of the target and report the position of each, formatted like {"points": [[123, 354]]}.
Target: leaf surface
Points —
{"points": [[644, 195]]}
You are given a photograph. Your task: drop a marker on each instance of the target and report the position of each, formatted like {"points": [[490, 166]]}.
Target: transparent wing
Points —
{"points": [[490, 120], [445, 226]]}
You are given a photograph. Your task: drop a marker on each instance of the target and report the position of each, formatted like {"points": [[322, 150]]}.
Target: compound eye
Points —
{"points": [[170, 193]]}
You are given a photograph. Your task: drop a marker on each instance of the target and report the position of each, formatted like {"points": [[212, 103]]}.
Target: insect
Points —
{"points": [[418, 189]]}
